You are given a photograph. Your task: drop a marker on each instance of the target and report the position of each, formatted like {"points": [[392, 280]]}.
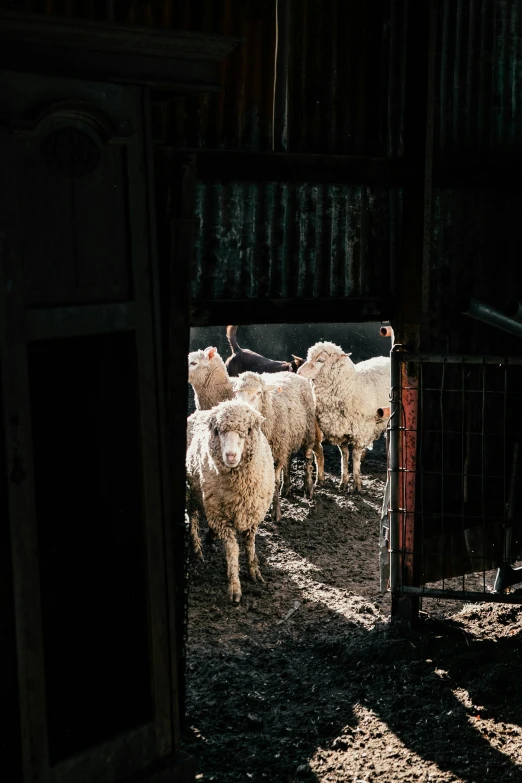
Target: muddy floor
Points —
{"points": [[309, 680]]}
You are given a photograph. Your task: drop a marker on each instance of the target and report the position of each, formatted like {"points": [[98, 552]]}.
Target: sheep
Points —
{"points": [[347, 398], [243, 359], [230, 475], [209, 378], [288, 406]]}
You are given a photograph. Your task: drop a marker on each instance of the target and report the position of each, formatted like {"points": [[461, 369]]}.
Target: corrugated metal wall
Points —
{"points": [[480, 78], [336, 64], [476, 242], [476, 234], [283, 241]]}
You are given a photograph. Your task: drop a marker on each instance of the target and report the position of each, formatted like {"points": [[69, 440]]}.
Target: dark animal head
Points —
{"points": [[296, 362]]}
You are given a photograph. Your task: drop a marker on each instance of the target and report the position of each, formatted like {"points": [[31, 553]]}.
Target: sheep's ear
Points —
{"points": [[297, 358], [346, 354], [271, 387], [210, 352]]}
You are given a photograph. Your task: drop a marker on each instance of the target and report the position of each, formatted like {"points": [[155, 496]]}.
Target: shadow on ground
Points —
{"points": [[309, 680]]}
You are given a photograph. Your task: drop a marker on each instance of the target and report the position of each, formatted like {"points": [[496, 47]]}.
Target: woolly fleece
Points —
{"points": [[289, 421], [347, 398], [209, 379], [232, 499]]}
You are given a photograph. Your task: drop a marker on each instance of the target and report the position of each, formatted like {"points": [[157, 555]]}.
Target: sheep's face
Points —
{"points": [[319, 357], [200, 364], [251, 395], [250, 390], [231, 444], [234, 429], [312, 367]]}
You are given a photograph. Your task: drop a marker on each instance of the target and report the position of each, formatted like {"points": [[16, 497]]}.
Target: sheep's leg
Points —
{"points": [[357, 455], [287, 481], [276, 505], [252, 561], [319, 454], [194, 532], [343, 448], [232, 555], [309, 470]]}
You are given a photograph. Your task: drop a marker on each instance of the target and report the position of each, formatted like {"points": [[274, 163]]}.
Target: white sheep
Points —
{"points": [[230, 475], [347, 396], [209, 378], [288, 406]]}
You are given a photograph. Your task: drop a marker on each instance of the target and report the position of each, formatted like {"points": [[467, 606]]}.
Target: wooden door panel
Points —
{"points": [[83, 420], [75, 240]]}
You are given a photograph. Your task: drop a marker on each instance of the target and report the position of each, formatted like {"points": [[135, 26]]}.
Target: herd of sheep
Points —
{"points": [[253, 414]]}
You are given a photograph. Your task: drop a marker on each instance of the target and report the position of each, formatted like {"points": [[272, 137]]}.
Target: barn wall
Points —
{"points": [[478, 80], [239, 116], [346, 98], [278, 239], [287, 241], [475, 237]]}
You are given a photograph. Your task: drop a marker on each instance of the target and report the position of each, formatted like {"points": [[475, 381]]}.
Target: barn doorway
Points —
{"points": [[321, 564]]}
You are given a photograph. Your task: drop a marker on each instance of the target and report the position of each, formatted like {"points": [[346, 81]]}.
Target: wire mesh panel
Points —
{"points": [[455, 488]]}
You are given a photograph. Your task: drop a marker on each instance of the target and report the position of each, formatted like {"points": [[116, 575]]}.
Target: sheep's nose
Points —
{"points": [[231, 456]]}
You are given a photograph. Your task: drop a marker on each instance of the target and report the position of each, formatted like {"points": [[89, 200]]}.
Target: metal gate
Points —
{"points": [[454, 477]]}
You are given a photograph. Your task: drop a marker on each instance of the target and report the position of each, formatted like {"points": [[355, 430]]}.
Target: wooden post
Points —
{"points": [[181, 216], [411, 283]]}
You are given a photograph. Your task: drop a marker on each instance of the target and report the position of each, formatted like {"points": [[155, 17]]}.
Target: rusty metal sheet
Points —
{"points": [[281, 240], [480, 78], [474, 252]]}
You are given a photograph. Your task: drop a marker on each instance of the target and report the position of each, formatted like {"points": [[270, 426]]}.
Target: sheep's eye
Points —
{"points": [[250, 430], [259, 393], [216, 431]]}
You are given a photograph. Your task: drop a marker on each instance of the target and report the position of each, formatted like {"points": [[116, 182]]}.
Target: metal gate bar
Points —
{"points": [[455, 519]]}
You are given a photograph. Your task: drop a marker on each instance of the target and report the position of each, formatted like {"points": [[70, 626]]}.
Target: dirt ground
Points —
{"points": [[308, 679]]}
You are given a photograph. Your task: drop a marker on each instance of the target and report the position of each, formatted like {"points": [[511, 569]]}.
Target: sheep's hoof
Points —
{"points": [[343, 487], [234, 593], [276, 515], [255, 575]]}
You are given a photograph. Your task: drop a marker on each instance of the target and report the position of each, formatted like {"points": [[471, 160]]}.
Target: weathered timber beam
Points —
{"points": [[477, 174], [283, 311], [100, 50], [246, 166]]}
